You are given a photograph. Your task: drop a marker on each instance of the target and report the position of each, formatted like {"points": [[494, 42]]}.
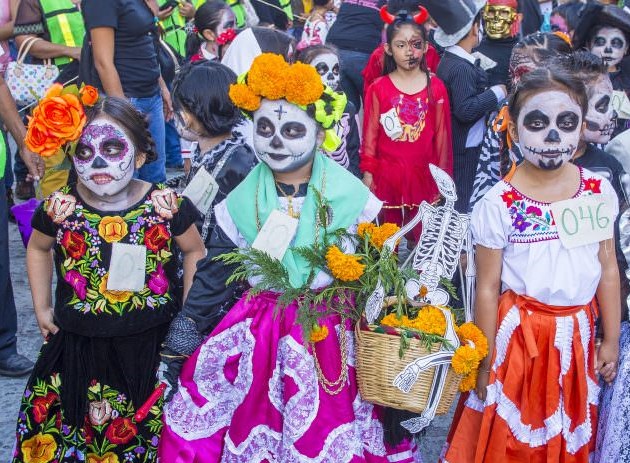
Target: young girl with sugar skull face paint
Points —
{"points": [[535, 292], [251, 353], [325, 60], [114, 241]]}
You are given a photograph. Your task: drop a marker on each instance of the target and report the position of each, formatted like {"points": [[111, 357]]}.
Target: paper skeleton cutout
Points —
{"points": [[445, 232]]}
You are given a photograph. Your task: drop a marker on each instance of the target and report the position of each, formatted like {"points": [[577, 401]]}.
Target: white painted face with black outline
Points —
{"points": [[104, 158], [601, 118], [610, 45], [327, 65], [549, 126], [228, 21], [285, 137]]}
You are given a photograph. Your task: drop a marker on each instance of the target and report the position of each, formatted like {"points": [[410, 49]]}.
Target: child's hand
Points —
{"points": [[482, 383], [607, 355], [368, 180], [46, 322]]}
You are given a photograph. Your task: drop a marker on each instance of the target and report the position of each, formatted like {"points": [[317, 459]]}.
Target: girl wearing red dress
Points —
{"points": [[406, 125]]}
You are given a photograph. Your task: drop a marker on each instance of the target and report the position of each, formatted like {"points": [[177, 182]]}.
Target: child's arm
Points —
{"points": [[193, 249], [371, 122], [443, 138], [39, 265], [489, 263], [610, 308]]}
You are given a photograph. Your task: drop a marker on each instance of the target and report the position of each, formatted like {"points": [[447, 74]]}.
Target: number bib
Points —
{"points": [[584, 220], [276, 234], [127, 267], [202, 190], [391, 124]]}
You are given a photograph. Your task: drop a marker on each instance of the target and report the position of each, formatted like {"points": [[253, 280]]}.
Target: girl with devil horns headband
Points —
{"points": [[407, 122]]}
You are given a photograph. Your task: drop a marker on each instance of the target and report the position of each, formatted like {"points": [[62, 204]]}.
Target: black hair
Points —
{"points": [[544, 45], [547, 79], [207, 16], [135, 124], [202, 89], [308, 54], [584, 65], [403, 19], [570, 11]]}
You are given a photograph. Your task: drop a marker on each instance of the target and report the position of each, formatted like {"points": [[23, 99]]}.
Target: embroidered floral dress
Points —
{"points": [[400, 166], [541, 402], [92, 375]]}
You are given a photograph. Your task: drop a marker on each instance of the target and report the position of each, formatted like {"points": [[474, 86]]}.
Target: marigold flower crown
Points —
{"points": [[59, 118], [271, 77]]}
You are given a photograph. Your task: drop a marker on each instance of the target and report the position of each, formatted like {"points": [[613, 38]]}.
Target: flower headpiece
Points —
{"points": [[271, 77], [564, 36], [59, 118]]}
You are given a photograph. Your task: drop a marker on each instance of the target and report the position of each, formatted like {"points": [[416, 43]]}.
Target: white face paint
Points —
{"points": [[549, 129], [327, 65], [228, 21], [601, 117], [104, 158], [610, 44], [285, 137]]}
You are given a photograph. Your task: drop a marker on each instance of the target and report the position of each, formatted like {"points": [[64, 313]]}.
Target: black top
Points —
{"points": [[498, 51], [83, 304], [135, 53], [468, 92], [358, 26]]}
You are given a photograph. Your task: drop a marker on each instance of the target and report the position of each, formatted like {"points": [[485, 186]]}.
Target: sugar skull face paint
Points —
{"points": [[601, 118], [327, 65], [610, 45], [104, 158], [285, 137], [549, 126], [228, 21]]}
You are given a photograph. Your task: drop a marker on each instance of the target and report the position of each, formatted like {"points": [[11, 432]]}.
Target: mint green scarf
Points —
{"points": [[345, 194]]}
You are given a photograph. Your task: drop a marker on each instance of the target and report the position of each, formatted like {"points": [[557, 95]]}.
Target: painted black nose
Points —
{"points": [[99, 163], [276, 142], [608, 50], [553, 136]]}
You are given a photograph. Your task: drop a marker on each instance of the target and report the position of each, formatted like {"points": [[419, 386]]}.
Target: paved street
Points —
{"points": [[29, 342]]}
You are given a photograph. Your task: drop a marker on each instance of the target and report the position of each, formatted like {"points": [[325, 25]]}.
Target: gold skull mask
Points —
{"points": [[498, 21]]}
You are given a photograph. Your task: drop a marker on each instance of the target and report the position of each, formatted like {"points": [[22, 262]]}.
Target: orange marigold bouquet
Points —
{"points": [[59, 118]]}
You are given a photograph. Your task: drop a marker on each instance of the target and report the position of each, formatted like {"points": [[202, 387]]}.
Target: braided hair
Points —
{"points": [[135, 124]]}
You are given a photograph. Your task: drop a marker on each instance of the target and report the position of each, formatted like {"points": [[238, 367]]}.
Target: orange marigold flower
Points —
{"points": [[469, 382], [319, 333], [465, 360], [303, 84], [268, 76], [243, 97], [383, 233], [89, 95], [344, 267], [365, 228], [470, 332], [430, 320], [393, 320]]}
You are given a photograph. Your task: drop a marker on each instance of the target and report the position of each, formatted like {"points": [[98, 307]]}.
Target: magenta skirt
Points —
{"points": [[250, 393]]}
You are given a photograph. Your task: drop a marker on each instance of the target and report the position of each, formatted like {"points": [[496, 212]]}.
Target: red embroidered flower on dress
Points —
{"points": [[121, 431], [41, 405], [157, 237], [593, 184], [74, 243], [510, 196]]}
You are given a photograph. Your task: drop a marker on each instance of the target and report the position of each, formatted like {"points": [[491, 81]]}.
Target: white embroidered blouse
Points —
{"points": [[535, 263]]}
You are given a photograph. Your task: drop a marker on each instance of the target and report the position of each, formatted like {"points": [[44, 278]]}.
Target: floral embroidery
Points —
{"points": [[593, 185], [109, 433], [81, 238]]}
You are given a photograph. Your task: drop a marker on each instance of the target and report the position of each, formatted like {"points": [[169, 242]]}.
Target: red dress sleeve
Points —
{"points": [[373, 69], [443, 140], [371, 116], [433, 58]]}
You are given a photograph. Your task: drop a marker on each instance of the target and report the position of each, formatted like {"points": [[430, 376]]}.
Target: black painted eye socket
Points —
{"points": [[603, 104], [599, 41], [336, 69], [617, 43], [321, 68], [536, 121], [293, 130], [265, 128], [83, 152], [567, 121], [417, 45], [112, 148]]}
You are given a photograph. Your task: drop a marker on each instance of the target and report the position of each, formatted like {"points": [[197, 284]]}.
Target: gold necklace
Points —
{"points": [[290, 211]]}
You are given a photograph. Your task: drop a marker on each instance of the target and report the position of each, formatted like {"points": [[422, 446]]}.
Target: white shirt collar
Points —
{"points": [[459, 51]]}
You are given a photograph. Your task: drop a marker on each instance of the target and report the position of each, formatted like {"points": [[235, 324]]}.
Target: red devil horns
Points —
{"points": [[418, 18]]}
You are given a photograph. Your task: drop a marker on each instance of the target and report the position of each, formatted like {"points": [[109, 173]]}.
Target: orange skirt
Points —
{"points": [[541, 401]]}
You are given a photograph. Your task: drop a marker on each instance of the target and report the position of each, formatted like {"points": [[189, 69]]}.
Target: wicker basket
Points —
{"points": [[378, 364]]}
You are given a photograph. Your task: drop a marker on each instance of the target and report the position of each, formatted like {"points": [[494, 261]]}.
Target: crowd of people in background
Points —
{"points": [[187, 132]]}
